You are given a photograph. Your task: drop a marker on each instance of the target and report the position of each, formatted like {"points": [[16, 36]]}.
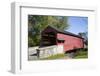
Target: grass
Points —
{"points": [[81, 54], [57, 56]]}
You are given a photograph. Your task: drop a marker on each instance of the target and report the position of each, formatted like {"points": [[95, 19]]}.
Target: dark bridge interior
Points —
{"points": [[48, 39]]}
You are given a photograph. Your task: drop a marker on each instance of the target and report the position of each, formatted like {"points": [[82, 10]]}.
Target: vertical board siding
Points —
{"points": [[71, 42]]}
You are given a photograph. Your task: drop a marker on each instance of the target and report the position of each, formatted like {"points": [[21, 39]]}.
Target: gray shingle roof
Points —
{"points": [[64, 32]]}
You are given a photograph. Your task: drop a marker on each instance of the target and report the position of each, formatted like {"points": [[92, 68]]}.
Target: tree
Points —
{"points": [[85, 36], [37, 23]]}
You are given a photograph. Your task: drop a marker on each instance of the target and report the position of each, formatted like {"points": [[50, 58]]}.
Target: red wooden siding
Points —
{"points": [[70, 42]]}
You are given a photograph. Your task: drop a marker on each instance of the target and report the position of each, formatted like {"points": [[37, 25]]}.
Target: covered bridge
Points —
{"points": [[53, 36]]}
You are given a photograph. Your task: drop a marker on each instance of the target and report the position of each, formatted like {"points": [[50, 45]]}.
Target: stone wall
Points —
{"points": [[51, 50], [32, 50], [46, 51]]}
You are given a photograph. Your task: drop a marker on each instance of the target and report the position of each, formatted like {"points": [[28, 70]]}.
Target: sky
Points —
{"points": [[77, 24]]}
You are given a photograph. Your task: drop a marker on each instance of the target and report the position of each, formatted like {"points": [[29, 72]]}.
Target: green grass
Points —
{"points": [[81, 54], [57, 56]]}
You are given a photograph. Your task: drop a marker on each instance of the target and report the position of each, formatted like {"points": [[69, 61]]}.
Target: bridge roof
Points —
{"points": [[64, 32]]}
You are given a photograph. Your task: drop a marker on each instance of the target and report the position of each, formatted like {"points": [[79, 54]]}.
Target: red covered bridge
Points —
{"points": [[53, 36]]}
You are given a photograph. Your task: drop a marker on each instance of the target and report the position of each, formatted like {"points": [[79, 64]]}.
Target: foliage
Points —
{"points": [[85, 36], [81, 54], [37, 23]]}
